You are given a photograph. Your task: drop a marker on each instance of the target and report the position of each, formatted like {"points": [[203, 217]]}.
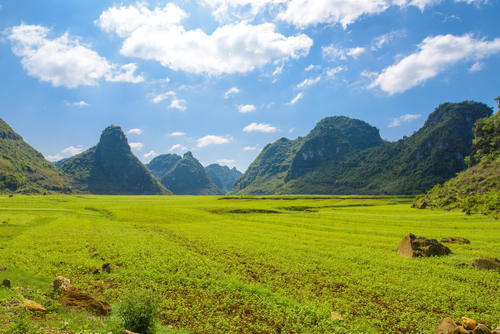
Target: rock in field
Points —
{"points": [[79, 299], [447, 326], [468, 323], [106, 267], [33, 306], [61, 284], [488, 264], [6, 283], [412, 246], [481, 329], [128, 332], [3, 268], [455, 240], [336, 316]]}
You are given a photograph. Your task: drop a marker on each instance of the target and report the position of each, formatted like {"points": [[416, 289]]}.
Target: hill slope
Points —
{"points": [[478, 188], [111, 168], [23, 169], [162, 164], [188, 177], [223, 177], [345, 156]]}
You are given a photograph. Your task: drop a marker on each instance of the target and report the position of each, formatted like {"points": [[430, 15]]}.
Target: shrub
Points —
{"points": [[138, 312]]}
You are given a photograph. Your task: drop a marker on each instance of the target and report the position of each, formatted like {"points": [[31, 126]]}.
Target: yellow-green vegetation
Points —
{"points": [[244, 264]]}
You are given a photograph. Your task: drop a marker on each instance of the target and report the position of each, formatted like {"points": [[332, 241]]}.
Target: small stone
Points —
{"points": [[468, 323], [61, 284], [488, 264], [97, 270], [6, 283], [336, 316], [447, 326], [33, 306], [128, 332], [455, 240], [3, 268], [461, 330], [481, 329], [106, 267]]}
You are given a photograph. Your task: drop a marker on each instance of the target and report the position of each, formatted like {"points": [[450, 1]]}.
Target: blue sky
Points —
{"points": [[224, 78]]}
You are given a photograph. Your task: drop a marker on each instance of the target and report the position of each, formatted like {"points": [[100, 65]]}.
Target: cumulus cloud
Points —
{"points": [[136, 146], [250, 148], [331, 72], [333, 52], [151, 154], [246, 108], [296, 98], [312, 68], [309, 82], [407, 118], [79, 104], [63, 61], [380, 41], [231, 91], [134, 131], [213, 140], [66, 153], [159, 35], [260, 127], [175, 102], [434, 55], [178, 148], [177, 134], [227, 162]]}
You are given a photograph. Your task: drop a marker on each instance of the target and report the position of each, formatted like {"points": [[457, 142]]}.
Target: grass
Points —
{"points": [[235, 266]]}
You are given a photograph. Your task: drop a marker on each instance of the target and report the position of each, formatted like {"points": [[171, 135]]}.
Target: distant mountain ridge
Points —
{"points": [[188, 177], [24, 169], [111, 168], [223, 176], [346, 156]]}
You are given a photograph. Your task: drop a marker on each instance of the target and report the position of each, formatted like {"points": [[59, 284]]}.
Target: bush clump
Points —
{"points": [[138, 312]]}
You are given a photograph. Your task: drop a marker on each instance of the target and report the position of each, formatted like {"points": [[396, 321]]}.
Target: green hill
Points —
{"points": [[346, 156], [25, 170], [111, 168], [223, 176], [188, 177], [162, 164], [477, 189]]}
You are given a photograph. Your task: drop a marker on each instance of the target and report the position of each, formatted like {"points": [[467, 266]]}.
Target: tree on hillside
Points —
{"points": [[486, 144]]}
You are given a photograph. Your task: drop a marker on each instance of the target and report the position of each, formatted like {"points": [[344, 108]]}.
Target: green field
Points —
{"points": [[247, 265]]}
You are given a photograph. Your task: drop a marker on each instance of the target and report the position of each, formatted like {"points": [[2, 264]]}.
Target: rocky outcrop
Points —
{"points": [[467, 326], [412, 246], [487, 264]]}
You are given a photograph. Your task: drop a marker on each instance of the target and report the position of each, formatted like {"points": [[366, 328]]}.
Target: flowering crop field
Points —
{"points": [[274, 264]]}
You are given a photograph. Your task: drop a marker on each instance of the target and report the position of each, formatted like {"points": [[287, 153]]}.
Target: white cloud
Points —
{"points": [[407, 118], [72, 150], [177, 134], [136, 146], [65, 153], [213, 140], [79, 104], [434, 55], [337, 53], [246, 108], [278, 70], [163, 96], [312, 68], [309, 82], [227, 162], [134, 131], [158, 35], [150, 155], [175, 102], [380, 41], [260, 127], [291, 130], [477, 66], [231, 91], [63, 61], [178, 104], [251, 148], [178, 148], [331, 72], [296, 98]]}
